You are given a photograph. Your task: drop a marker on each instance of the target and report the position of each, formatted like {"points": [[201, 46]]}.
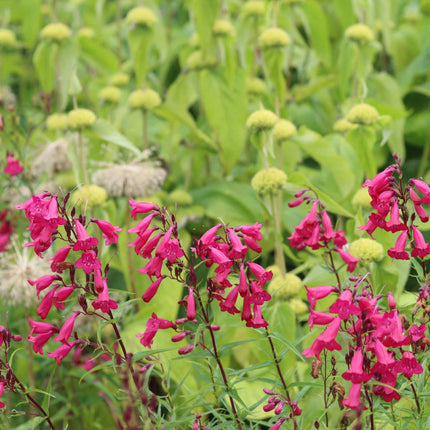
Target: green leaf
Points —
{"points": [[31, 16], [97, 55], [225, 108], [273, 67], [362, 140], [205, 13], [44, 61], [105, 131], [67, 59], [233, 202], [140, 40], [302, 92], [318, 31]]}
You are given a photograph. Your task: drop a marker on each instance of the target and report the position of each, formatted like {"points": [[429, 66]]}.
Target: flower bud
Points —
{"points": [[343, 125], [141, 16], [89, 196], [255, 86], [367, 250], [298, 306], [274, 38], [363, 114], [119, 79], [359, 33], [7, 38], [283, 130], [110, 94], [80, 118], [253, 8], [222, 28], [262, 119], [55, 32], [146, 99], [269, 180], [285, 286], [198, 61], [57, 121]]}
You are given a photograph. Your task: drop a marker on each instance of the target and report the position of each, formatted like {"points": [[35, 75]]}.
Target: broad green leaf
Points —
{"points": [[140, 41], [273, 59], [67, 59], [105, 131], [318, 31], [225, 108], [330, 202], [205, 13], [44, 59], [345, 12], [325, 154], [346, 65], [97, 55], [31, 16], [362, 140], [232, 202], [417, 128], [301, 92], [405, 46], [419, 66]]}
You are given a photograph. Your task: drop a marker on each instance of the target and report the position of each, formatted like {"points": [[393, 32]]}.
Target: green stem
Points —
{"points": [[276, 201], [82, 157], [145, 129]]}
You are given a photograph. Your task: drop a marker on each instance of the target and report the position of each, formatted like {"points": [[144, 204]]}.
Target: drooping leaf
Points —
{"points": [[97, 55], [67, 59], [44, 61], [205, 13]]}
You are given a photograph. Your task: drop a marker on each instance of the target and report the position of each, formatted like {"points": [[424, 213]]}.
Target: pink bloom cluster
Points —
{"points": [[13, 166], [389, 199], [316, 231], [224, 253], [6, 230], [378, 338], [45, 217], [276, 402]]}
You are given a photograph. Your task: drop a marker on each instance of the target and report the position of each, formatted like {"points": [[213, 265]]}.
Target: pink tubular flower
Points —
{"points": [[408, 365], [353, 399], [319, 318], [151, 244], [356, 373], [39, 341], [13, 167], [59, 257], [343, 306], [44, 282], [191, 305], [421, 248], [143, 224], [108, 231], [329, 234], [398, 252], [350, 260], [153, 267], [327, 339], [257, 321], [243, 285], [88, 262], [229, 305], [62, 294], [238, 249], [152, 290], [417, 333], [424, 189], [252, 244], [103, 302], [46, 304], [316, 293], [186, 349], [169, 248], [395, 224], [62, 351], [152, 326], [84, 241], [262, 274], [2, 384], [251, 230], [67, 329], [141, 208]]}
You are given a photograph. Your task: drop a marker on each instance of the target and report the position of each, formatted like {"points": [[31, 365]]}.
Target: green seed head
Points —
{"points": [[298, 306], [198, 61], [362, 199], [80, 119], [181, 197], [86, 32], [146, 99], [222, 28], [262, 119], [7, 38], [343, 125], [255, 86], [119, 79], [89, 196], [56, 32], [253, 8], [268, 181], [110, 94], [274, 38], [285, 286], [141, 16], [57, 121], [359, 33], [283, 130], [363, 114], [367, 249]]}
